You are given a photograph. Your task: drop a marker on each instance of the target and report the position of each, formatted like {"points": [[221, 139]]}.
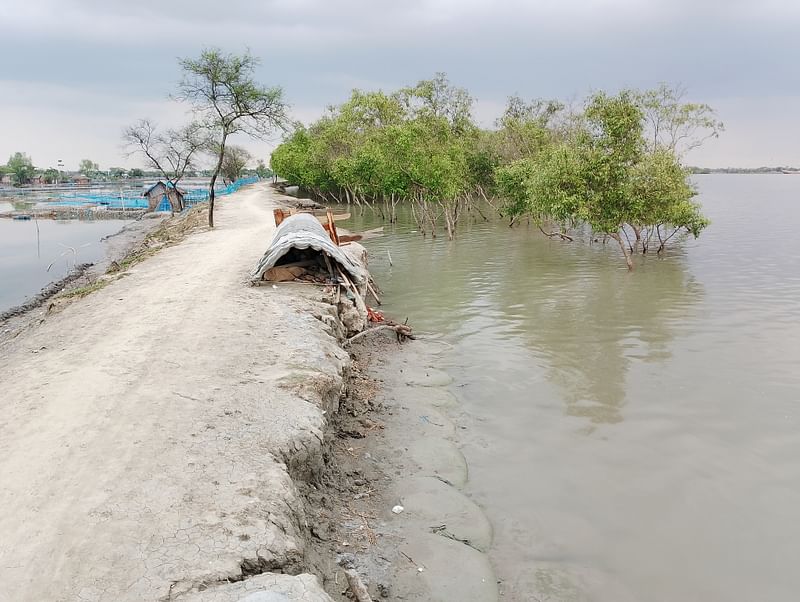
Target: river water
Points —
{"points": [[34, 253], [631, 436]]}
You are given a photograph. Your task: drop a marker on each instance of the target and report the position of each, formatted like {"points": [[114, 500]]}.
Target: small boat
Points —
{"points": [[22, 217]]}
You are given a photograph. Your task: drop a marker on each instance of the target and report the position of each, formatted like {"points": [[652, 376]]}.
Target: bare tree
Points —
{"points": [[227, 100], [172, 152], [234, 162], [674, 124]]}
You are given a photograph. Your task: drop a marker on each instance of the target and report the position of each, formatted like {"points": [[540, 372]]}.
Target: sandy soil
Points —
{"points": [[150, 433]]}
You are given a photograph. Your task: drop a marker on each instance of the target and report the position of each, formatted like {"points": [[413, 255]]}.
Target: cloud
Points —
{"points": [[102, 61]]}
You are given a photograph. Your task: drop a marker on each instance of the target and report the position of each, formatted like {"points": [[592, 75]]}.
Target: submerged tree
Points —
{"points": [[604, 166], [377, 149], [172, 153], [227, 100], [607, 178]]}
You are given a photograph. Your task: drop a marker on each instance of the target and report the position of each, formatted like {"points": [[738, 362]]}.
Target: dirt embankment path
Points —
{"points": [[146, 430]]}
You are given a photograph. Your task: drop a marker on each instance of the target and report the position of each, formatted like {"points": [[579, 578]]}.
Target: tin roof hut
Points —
{"points": [[164, 197]]}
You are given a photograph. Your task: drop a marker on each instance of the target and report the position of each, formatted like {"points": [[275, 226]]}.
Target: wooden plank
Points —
{"points": [[332, 228]]}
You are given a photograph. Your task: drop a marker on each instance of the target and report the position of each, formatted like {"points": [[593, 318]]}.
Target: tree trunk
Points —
{"points": [[625, 249], [448, 221], [214, 181], [637, 230]]}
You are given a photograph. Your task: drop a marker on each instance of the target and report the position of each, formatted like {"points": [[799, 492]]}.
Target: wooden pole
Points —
{"points": [[360, 304]]}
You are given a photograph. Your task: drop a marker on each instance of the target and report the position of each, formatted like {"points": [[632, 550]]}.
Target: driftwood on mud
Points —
{"points": [[402, 331], [357, 586]]}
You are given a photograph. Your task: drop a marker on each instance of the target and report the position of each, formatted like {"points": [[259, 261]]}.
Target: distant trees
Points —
{"points": [[262, 171], [88, 167], [50, 175], [234, 162], [612, 165], [226, 99], [135, 173], [21, 167]]}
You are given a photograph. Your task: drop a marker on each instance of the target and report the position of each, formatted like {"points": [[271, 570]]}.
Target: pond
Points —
{"points": [[631, 435], [34, 253]]}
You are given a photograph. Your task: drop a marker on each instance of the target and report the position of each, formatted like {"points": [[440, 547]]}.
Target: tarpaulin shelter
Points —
{"points": [[300, 232]]}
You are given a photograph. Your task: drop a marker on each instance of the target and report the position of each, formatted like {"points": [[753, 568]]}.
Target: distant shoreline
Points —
{"points": [[745, 170]]}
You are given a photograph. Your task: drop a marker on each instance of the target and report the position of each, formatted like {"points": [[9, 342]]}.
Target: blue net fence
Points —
{"points": [[133, 199], [200, 195]]}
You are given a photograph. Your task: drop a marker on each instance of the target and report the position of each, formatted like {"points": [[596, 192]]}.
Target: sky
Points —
{"points": [[76, 72]]}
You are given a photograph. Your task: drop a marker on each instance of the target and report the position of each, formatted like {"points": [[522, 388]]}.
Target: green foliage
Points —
{"points": [[550, 187], [437, 99], [417, 145], [223, 93], [88, 167], [525, 128], [600, 166], [21, 167], [262, 171], [606, 177], [50, 176], [610, 147], [135, 173]]}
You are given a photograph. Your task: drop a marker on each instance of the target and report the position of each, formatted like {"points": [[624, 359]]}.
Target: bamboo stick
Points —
{"points": [[374, 294], [362, 306]]}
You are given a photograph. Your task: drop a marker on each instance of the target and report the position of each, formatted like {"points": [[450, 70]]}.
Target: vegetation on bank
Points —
{"points": [[612, 165], [786, 169], [20, 171]]}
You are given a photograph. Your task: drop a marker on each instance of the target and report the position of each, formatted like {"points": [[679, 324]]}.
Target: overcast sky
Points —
{"points": [[75, 72]]}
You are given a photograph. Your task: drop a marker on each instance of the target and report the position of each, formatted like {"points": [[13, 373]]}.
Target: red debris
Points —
{"points": [[374, 316]]}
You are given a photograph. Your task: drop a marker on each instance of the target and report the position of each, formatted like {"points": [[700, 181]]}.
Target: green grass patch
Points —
{"points": [[82, 291]]}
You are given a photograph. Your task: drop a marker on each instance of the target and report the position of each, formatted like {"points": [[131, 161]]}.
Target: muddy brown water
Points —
{"points": [[631, 436]]}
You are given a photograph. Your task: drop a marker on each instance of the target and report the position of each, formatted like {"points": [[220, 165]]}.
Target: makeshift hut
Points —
{"points": [[300, 241], [164, 197]]}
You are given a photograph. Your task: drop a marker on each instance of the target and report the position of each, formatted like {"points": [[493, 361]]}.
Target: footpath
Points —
{"points": [[151, 433]]}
